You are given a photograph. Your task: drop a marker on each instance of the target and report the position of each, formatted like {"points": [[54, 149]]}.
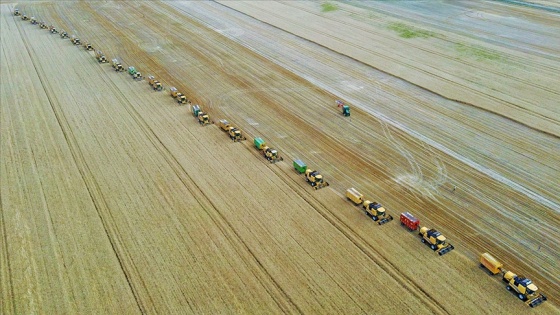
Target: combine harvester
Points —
{"points": [[16, 12], [181, 99], [156, 85], [117, 65], [315, 179], [435, 240], [202, 117], [87, 46], [24, 17], [53, 29], [312, 177], [43, 25], [136, 75], [100, 56], [373, 210], [63, 34], [234, 133], [270, 154], [75, 40], [524, 288], [343, 107], [33, 20]]}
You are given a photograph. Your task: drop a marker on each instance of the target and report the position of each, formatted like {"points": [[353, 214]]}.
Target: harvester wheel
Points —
{"points": [[522, 297], [433, 247], [508, 288], [423, 240], [374, 218]]}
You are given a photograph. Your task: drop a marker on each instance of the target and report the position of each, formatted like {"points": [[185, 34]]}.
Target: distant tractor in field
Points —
{"points": [[344, 108], [16, 12]]}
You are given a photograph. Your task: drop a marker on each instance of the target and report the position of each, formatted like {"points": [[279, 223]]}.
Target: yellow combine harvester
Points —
{"points": [[315, 179], [75, 40], [117, 65], [181, 99], [373, 210], [523, 287], [435, 240], [100, 56], [156, 85]]}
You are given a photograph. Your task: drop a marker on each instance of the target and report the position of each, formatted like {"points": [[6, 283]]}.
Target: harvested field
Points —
{"points": [[115, 200]]}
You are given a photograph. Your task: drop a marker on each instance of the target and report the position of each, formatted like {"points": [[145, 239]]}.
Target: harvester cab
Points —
{"points": [[435, 240], [315, 179], [377, 212]]}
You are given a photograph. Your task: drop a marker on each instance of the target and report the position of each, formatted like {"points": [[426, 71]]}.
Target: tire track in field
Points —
{"points": [[87, 176], [282, 299], [7, 281], [284, 302]]}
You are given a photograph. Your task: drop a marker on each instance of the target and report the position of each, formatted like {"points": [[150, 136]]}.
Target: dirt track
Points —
{"points": [[111, 192]]}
